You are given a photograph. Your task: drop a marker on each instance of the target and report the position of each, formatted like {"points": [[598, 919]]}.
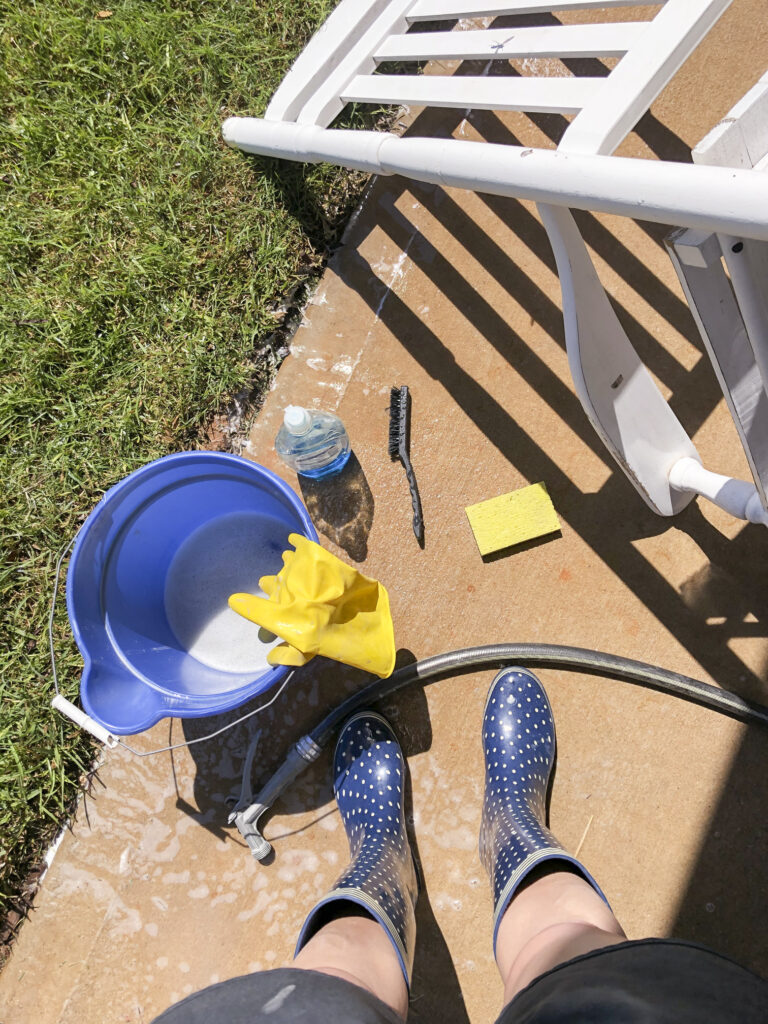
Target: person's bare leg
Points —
{"points": [[554, 916], [356, 948]]}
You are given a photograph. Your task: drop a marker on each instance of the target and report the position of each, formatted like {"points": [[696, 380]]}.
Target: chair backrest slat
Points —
{"points": [[611, 40], [450, 10], [565, 95], [640, 76], [741, 139], [322, 97], [339, 35], [339, 64]]}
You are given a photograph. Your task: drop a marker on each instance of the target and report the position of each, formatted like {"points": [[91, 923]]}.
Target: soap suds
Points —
{"points": [[225, 556]]}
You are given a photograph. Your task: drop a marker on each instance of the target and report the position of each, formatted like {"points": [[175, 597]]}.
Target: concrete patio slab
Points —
{"points": [[151, 896]]}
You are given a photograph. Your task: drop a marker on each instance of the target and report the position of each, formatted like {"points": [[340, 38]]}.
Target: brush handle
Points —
{"points": [[418, 518]]}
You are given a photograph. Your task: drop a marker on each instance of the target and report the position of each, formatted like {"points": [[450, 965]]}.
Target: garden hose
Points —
{"points": [[309, 747]]}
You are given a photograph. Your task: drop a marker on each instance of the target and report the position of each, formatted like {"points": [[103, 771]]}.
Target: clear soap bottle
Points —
{"points": [[312, 442]]}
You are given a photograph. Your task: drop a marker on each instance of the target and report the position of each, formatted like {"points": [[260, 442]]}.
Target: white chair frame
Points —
{"points": [[338, 66], [731, 309]]}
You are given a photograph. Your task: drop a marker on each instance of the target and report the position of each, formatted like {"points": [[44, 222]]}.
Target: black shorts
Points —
{"points": [[651, 981]]}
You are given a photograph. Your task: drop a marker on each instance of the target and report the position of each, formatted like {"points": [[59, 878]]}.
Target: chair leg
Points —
{"points": [[618, 394], [717, 305]]}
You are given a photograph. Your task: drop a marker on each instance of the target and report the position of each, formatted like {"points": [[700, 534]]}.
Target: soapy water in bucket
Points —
{"points": [[225, 556]]}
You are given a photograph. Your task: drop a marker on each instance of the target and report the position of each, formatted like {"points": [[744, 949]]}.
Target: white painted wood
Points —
{"points": [[542, 95], [696, 257], [618, 394], [698, 249], [641, 74], [335, 67], [731, 311], [699, 197], [451, 10], [706, 198], [505, 43], [741, 138], [311, 144], [341, 29], [736, 497], [326, 100], [747, 263]]}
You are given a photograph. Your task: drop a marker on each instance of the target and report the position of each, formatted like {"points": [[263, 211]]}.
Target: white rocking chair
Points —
{"points": [[338, 67]]}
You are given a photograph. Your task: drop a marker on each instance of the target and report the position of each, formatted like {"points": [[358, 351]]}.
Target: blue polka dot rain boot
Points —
{"points": [[369, 780], [519, 747]]}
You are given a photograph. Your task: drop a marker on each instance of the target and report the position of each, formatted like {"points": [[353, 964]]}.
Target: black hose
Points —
{"points": [[549, 656], [309, 747]]}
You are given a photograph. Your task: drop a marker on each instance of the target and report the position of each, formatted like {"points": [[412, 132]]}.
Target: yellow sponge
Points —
{"points": [[512, 518]]}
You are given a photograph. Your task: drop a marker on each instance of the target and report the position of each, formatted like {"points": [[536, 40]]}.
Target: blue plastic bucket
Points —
{"points": [[148, 582]]}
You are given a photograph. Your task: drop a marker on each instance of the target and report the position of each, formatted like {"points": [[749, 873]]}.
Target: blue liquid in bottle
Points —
{"points": [[312, 442]]}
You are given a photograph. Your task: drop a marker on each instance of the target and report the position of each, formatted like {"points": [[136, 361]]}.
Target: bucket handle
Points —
{"points": [[71, 711]]}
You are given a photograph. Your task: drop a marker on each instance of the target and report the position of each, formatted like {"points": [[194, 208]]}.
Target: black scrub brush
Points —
{"points": [[399, 448]]}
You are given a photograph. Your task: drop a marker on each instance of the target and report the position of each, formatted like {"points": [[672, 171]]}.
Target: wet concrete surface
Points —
{"points": [[152, 896]]}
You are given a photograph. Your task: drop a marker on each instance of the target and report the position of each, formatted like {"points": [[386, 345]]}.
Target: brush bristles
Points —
{"points": [[398, 421]]}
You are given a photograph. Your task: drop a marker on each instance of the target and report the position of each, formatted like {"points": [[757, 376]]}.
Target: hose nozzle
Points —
{"points": [[300, 756]]}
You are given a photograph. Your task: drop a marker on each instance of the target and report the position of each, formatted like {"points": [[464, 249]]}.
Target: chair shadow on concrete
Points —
{"points": [[694, 393], [724, 902], [710, 611], [734, 853], [705, 615], [341, 507]]}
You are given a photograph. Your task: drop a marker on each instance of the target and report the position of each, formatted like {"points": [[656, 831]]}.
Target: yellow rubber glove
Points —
{"points": [[319, 605]]}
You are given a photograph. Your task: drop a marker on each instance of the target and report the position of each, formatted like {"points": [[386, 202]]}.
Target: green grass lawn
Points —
{"points": [[142, 263]]}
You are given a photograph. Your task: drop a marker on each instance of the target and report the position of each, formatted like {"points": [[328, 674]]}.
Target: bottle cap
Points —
{"points": [[296, 419]]}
